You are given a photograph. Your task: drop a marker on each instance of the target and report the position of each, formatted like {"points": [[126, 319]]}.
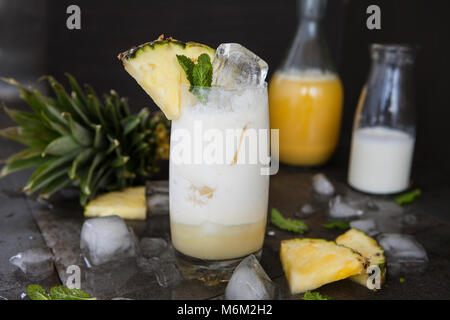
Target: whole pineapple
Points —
{"points": [[77, 140]]}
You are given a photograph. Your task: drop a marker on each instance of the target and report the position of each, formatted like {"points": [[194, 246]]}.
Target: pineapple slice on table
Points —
{"points": [[368, 248], [128, 204], [311, 263], [155, 67]]}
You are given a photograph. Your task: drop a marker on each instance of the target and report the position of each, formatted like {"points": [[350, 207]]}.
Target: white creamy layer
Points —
{"points": [[229, 193], [380, 160]]}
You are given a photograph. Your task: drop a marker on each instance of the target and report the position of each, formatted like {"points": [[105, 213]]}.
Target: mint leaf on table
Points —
{"points": [[199, 75], [64, 293], [342, 225], [407, 197], [315, 296], [36, 292], [293, 225]]}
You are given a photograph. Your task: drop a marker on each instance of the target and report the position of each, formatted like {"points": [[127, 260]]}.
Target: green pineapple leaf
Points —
{"points": [[74, 138], [62, 146]]}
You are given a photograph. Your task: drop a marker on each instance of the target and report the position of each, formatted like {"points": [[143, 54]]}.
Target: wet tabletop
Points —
{"points": [[26, 224]]}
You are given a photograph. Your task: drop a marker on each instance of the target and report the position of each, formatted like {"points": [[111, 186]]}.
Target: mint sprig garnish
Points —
{"points": [[36, 292], [188, 66], [202, 71], [198, 74], [293, 225]]}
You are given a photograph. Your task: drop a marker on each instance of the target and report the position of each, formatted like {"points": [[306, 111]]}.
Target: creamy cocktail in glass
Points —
{"points": [[218, 194], [219, 149]]}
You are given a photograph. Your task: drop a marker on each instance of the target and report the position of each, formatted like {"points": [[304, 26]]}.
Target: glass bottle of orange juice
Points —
{"points": [[306, 94]]}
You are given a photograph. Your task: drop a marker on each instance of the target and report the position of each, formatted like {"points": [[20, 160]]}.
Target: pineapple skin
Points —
{"points": [[368, 248], [155, 68], [311, 263], [128, 204]]}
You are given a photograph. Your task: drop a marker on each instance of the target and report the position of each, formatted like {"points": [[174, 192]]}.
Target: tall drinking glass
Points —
{"points": [[218, 194]]}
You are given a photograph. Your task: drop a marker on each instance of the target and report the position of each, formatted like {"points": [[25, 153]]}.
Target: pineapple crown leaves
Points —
{"points": [[76, 139]]}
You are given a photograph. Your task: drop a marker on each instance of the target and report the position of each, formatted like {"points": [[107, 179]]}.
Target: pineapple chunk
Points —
{"points": [[311, 263], [155, 67], [368, 248], [128, 204]]}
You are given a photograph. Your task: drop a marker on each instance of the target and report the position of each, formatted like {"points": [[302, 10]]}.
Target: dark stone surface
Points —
{"points": [[58, 227], [18, 232], [290, 189]]}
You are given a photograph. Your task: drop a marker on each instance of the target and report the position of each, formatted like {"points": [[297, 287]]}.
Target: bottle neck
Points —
{"points": [[389, 98], [309, 50], [309, 29], [392, 64]]}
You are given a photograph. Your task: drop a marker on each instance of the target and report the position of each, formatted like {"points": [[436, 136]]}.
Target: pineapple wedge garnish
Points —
{"points": [[128, 204], [310, 263], [368, 248], [155, 67]]}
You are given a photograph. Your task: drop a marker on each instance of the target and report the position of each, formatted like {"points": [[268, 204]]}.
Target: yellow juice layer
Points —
{"points": [[218, 242], [306, 108]]}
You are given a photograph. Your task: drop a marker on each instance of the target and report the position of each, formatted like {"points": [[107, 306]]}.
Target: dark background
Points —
{"points": [[267, 28]]}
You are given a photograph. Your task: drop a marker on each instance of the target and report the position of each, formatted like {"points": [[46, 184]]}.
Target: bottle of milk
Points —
{"points": [[384, 126]]}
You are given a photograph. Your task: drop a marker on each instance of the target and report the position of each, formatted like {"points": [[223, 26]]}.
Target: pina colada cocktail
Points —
{"points": [[219, 155], [218, 199]]}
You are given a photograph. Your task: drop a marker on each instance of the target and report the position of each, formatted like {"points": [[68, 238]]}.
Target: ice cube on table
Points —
{"points": [[403, 253], [409, 220], [158, 197], [371, 205], [235, 66], [250, 282], [339, 208], [367, 226], [36, 263], [148, 265], [306, 211], [106, 239], [168, 255], [152, 247], [322, 185], [167, 274]]}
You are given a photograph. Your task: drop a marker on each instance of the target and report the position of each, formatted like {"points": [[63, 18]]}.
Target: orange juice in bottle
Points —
{"points": [[306, 95]]}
